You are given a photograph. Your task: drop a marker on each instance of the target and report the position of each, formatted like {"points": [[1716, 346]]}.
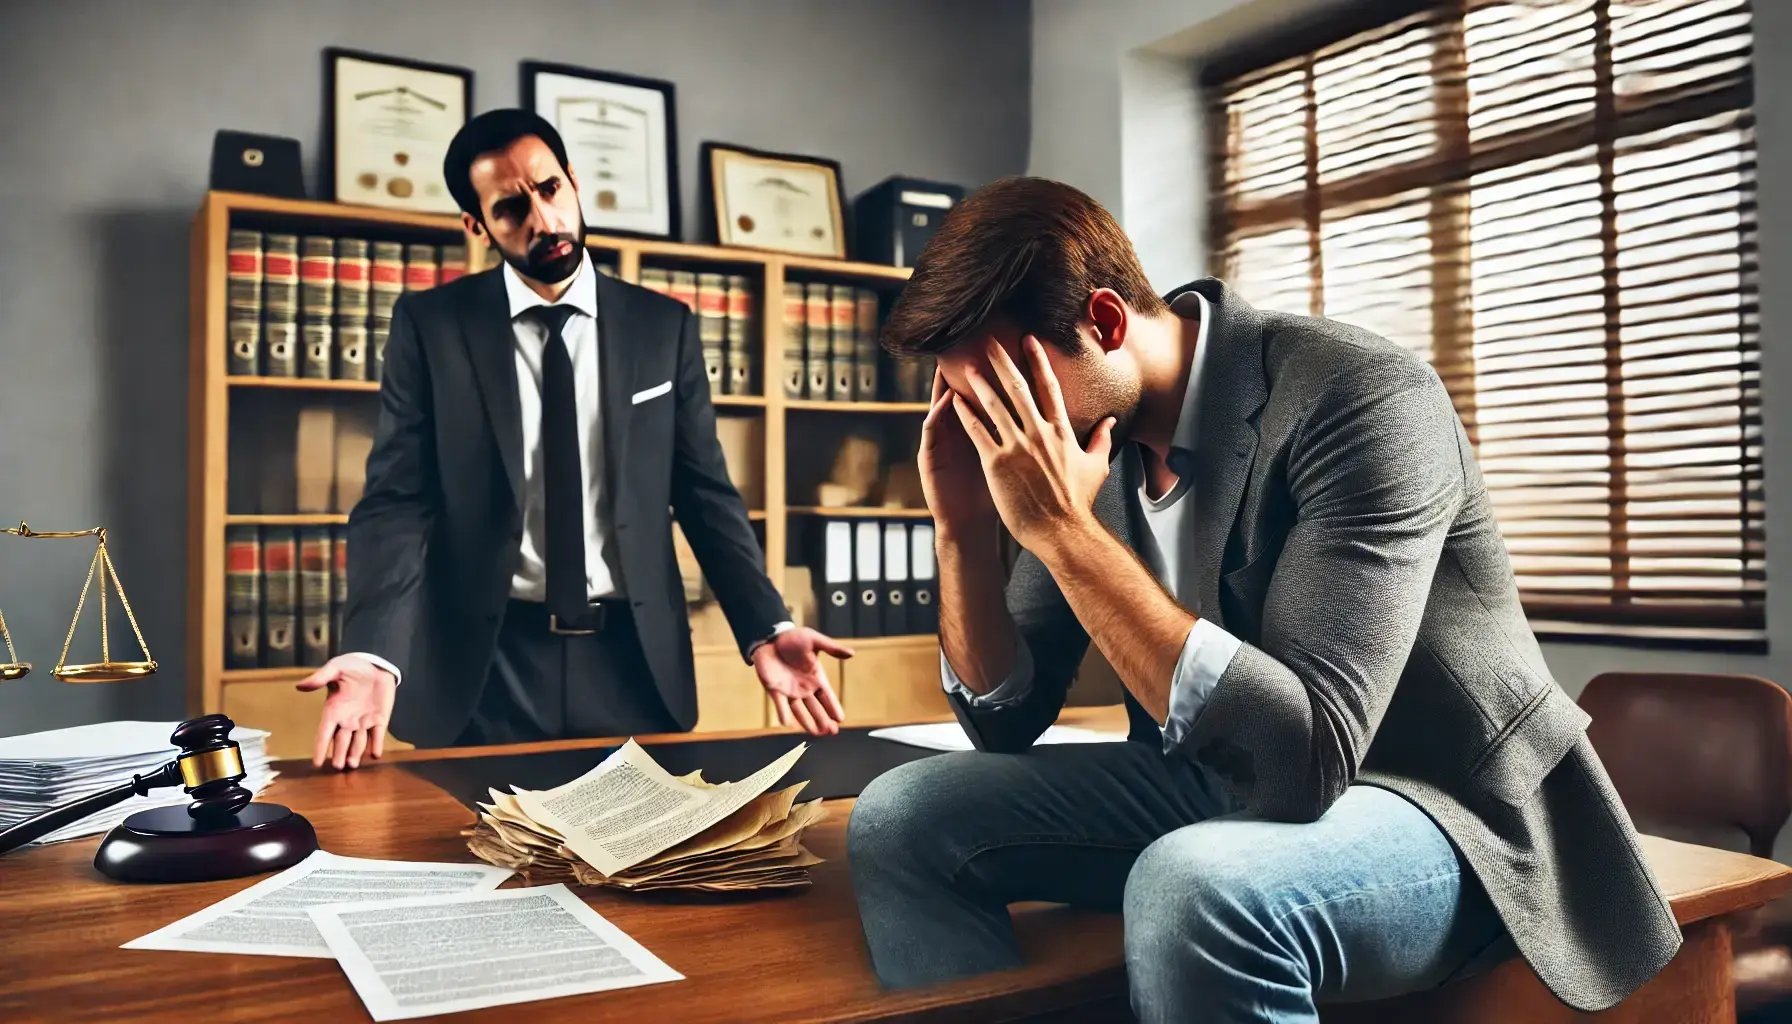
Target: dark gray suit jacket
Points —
{"points": [[1357, 556], [434, 541]]}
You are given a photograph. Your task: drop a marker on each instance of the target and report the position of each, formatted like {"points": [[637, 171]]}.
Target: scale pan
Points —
{"points": [[105, 671], [14, 670]]}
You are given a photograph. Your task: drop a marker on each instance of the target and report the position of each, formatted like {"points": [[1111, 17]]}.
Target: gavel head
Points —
{"points": [[211, 767]]}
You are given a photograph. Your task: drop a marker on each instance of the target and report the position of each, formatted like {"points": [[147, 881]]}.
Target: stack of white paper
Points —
{"points": [[42, 770]]}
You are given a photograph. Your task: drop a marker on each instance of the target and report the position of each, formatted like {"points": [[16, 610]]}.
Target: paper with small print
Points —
{"points": [[269, 918], [628, 808], [443, 954]]}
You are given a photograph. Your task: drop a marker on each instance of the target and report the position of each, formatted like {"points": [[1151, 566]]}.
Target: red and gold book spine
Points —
{"points": [[280, 597], [818, 320], [317, 305], [794, 329], [865, 351], [354, 282], [280, 306], [712, 326], [842, 310], [684, 288], [242, 597], [742, 347], [243, 303], [338, 584], [314, 594], [454, 263]]}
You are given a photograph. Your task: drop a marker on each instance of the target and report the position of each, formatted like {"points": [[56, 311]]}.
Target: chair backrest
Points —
{"points": [[1696, 750]]}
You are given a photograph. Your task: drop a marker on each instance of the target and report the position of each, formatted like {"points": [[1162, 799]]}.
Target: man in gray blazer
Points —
{"points": [[1350, 773]]}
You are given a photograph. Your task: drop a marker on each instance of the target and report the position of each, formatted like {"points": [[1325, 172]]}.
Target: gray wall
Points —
{"points": [[107, 123]]}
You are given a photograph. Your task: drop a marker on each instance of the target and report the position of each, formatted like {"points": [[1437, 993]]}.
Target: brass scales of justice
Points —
{"points": [[105, 670]]}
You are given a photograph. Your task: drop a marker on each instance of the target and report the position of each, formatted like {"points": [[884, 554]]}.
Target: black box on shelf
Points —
{"points": [[894, 219]]}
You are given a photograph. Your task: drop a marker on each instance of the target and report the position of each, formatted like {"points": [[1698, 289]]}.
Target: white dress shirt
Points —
{"points": [[1164, 548], [530, 338]]}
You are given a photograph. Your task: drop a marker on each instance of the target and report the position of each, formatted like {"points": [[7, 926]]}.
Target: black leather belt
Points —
{"points": [[597, 616]]}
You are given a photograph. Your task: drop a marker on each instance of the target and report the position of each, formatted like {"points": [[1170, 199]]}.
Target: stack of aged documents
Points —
{"points": [[628, 824]]}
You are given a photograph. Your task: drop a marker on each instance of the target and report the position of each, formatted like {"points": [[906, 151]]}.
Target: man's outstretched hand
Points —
{"points": [[799, 687], [355, 713]]}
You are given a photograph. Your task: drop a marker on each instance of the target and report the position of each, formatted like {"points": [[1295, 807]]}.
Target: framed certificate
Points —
{"points": [[388, 122], [621, 138], [776, 201]]}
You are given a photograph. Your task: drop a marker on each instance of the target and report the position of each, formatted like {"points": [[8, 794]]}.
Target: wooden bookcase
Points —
{"points": [[889, 677]]}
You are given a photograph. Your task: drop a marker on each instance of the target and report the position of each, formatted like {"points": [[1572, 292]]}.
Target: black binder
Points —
{"points": [[834, 589], [895, 218], [898, 588], [868, 578], [923, 607]]}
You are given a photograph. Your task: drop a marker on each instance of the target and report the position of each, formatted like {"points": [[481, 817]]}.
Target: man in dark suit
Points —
{"points": [[1350, 773], [511, 568]]}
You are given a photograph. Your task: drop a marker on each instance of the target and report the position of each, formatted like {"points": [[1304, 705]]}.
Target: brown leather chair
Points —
{"points": [[1696, 751], [1695, 754]]}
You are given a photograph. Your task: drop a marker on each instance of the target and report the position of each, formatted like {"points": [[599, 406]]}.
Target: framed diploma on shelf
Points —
{"points": [[387, 125], [621, 139], [776, 201]]}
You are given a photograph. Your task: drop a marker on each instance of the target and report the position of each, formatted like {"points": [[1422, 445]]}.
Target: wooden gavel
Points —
{"points": [[220, 835]]}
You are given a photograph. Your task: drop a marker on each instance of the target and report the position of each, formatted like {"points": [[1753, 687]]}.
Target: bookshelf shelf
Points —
{"points": [[738, 401], [859, 512], [897, 665], [301, 384], [823, 405]]}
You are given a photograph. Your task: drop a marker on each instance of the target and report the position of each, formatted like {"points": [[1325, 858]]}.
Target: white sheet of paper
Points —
{"points": [[950, 735], [269, 918], [102, 741], [443, 954]]}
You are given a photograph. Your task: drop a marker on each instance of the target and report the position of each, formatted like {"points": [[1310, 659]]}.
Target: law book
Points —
{"points": [[420, 268], [280, 597], [242, 289], [818, 322], [794, 329], [742, 347], [280, 305], [454, 264], [314, 595], [657, 279], [317, 306], [712, 327], [865, 370], [898, 587], [842, 314], [834, 581], [354, 273], [387, 282], [684, 288], [868, 578], [924, 611], [242, 597], [338, 584]]}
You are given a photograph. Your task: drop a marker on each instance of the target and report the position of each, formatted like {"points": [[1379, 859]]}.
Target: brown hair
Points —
{"points": [[1031, 249]]}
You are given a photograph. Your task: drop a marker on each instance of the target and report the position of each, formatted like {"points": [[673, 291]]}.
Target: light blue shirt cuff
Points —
{"points": [[1018, 684], [1206, 654], [379, 662]]}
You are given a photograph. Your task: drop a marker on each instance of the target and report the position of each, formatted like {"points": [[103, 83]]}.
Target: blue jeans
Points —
{"points": [[1227, 917]]}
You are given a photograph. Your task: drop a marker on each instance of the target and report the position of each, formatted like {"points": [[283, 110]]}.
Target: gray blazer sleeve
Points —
{"points": [[1056, 641], [1376, 476]]}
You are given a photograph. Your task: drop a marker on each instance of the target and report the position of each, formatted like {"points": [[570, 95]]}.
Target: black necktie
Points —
{"points": [[563, 492]]}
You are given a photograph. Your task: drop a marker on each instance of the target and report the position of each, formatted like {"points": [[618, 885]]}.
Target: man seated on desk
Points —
{"points": [[1350, 773], [511, 558]]}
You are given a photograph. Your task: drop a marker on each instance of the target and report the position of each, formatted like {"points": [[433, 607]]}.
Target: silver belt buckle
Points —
{"points": [[554, 628]]}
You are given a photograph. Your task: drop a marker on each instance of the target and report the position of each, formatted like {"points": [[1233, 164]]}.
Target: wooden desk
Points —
{"points": [[784, 959]]}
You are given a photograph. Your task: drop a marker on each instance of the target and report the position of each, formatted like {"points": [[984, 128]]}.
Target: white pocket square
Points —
{"points": [[652, 393]]}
